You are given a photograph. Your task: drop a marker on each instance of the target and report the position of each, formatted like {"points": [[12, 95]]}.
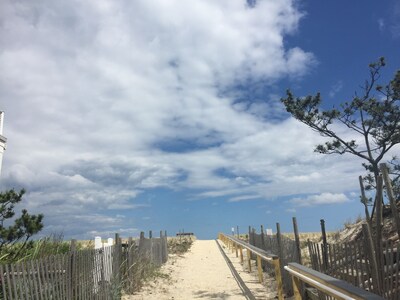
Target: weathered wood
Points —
{"points": [[324, 280], [262, 238], [278, 276], [249, 259], [372, 259], [297, 240], [280, 249], [378, 230], [260, 255], [259, 269], [296, 288], [324, 245]]}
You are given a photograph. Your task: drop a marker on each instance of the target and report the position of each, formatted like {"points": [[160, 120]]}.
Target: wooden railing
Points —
{"points": [[238, 246], [338, 289]]}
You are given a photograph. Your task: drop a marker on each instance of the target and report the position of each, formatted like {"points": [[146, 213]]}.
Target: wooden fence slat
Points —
{"points": [[48, 277], [14, 283], [33, 275], [359, 274], [330, 257], [397, 270], [9, 280], [25, 278], [3, 282]]}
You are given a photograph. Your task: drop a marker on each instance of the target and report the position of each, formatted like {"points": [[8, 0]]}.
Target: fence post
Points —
{"points": [[297, 240], [379, 246], [130, 263], [249, 238], [324, 245], [161, 246], [151, 246], [262, 238], [372, 257], [117, 260], [237, 230], [280, 249], [72, 281]]}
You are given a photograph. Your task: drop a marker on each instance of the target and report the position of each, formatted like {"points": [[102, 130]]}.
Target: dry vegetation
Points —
{"points": [[180, 245]]}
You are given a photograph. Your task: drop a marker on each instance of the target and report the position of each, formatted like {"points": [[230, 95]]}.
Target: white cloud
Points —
{"points": [[321, 199], [381, 24], [336, 88], [242, 198], [106, 100]]}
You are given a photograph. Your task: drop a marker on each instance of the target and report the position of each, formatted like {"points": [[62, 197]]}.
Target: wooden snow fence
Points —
{"points": [[84, 274], [355, 263], [286, 249]]}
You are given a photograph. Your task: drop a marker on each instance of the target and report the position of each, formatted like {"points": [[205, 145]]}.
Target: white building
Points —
{"points": [[3, 140]]}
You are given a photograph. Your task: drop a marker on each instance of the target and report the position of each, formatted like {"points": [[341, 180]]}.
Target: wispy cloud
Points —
{"points": [[336, 88], [321, 199], [381, 24], [243, 198]]}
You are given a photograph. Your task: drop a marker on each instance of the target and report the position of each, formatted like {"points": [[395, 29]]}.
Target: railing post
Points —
{"points": [[241, 254], [278, 276], [296, 288], [259, 269], [249, 259]]}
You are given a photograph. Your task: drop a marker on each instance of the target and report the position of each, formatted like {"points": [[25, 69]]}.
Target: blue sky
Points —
{"points": [[129, 116]]}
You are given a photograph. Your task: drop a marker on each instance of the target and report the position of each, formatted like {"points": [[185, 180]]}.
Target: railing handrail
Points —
{"points": [[327, 284], [262, 253]]}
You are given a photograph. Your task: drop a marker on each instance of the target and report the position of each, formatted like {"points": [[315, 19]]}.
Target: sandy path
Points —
{"points": [[202, 273]]}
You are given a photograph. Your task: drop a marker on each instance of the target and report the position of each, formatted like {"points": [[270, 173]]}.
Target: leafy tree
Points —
{"points": [[16, 235], [373, 116]]}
